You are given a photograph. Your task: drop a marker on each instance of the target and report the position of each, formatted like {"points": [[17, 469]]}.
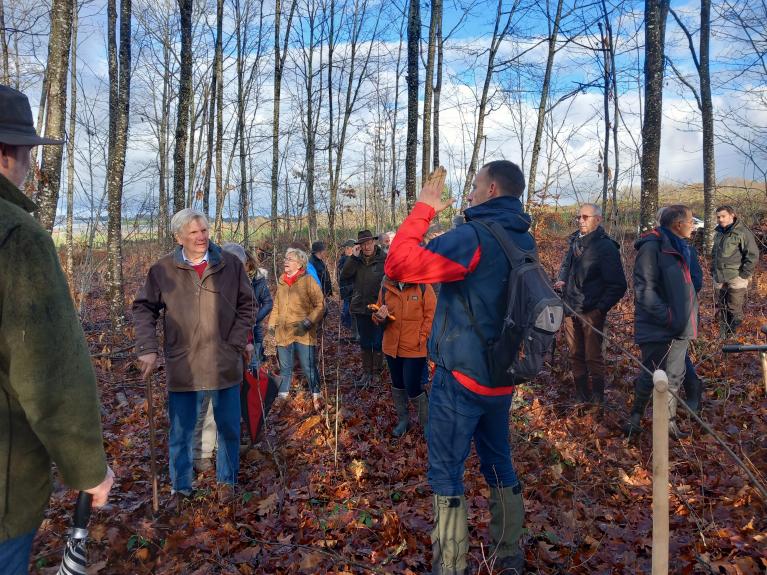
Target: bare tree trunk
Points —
{"points": [[184, 103], [279, 64], [119, 105], [499, 33], [411, 150], [438, 90], [190, 178], [434, 23], [333, 190], [707, 111], [214, 84], [310, 124], [56, 114], [394, 163], [244, 209], [4, 44], [606, 109], [353, 85], [616, 115], [70, 248], [542, 107], [162, 147], [656, 12]]}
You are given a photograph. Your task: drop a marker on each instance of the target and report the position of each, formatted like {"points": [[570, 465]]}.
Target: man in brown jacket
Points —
{"points": [[209, 310]]}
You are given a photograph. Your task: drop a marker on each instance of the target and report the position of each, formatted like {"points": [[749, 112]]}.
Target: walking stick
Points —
{"points": [[152, 443]]}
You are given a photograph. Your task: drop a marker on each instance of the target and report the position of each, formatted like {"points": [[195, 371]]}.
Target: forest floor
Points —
{"points": [[333, 492]]}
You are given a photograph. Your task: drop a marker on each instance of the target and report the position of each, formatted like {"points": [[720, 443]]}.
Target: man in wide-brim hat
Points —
{"points": [[365, 269], [49, 403]]}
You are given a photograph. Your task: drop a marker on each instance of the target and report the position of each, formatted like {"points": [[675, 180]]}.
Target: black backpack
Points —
{"points": [[533, 316]]}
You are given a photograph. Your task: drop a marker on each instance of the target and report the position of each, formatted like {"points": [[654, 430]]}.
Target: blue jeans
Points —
{"points": [[346, 316], [14, 554], [371, 335], [406, 373], [183, 409], [456, 416], [306, 357]]}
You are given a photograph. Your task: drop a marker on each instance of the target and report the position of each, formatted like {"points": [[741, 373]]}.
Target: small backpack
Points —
{"points": [[532, 318]]}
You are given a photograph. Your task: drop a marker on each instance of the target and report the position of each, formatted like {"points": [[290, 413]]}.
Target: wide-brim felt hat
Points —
{"points": [[365, 236], [16, 125]]}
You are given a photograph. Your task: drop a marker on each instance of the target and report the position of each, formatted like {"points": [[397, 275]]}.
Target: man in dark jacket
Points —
{"points": [[465, 402], [49, 404], [319, 253], [666, 309], [593, 281], [365, 267], [733, 261], [209, 311]]}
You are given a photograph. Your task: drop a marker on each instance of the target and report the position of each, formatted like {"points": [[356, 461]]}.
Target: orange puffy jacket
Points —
{"points": [[412, 306]]}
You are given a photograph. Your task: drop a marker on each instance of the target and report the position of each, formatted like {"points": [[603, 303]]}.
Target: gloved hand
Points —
{"points": [[301, 327]]}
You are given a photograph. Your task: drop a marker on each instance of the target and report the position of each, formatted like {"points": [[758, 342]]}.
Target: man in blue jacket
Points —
{"points": [[666, 309], [466, 403]]}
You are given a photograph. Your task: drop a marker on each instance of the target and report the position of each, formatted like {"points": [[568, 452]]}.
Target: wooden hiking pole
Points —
{"points": [[152, 443], [660, 525]]}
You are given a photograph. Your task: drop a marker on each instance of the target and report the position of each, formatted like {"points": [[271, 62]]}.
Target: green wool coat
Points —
{"points": [[49, 405]]}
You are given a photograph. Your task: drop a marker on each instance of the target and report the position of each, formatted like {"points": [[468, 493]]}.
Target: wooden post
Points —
{"points": [[660, 527], [763, 355]]}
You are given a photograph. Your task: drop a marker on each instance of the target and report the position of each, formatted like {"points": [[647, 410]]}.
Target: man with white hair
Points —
{"points": [[209, 312]]}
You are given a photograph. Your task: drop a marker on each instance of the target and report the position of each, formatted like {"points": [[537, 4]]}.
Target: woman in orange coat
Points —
{"points": [[406, 311]]}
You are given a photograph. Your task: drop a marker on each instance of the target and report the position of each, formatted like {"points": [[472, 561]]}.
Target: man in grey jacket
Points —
{"points": [[733, 261]]}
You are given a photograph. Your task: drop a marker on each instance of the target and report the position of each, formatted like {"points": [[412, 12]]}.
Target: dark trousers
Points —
{"points": [[457, 417], [407, 373], [730, 303], [666, 355], [371, 335], [585, 346]]}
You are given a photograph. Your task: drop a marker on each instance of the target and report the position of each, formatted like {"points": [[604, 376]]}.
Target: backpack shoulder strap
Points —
{"points": [[514, 253]]}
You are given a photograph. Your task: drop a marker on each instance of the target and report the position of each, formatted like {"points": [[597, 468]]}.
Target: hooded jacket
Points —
{"points": [[49, 404], [412, 306], [472, 268], [665, 300], [207, 320], [592, 272], [367, 274], [735, 253]]}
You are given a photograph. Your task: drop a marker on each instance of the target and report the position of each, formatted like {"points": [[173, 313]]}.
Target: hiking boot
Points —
{"points": [[693, 393], [422, 404], [450, 536], [403, 417], [634, 426], [377, 367], [582, 393], [507, 517], [367, 369], [673, 429], [226, 493]]}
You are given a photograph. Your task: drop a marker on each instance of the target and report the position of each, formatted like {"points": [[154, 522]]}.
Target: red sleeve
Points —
{"points": [[447, 258]]}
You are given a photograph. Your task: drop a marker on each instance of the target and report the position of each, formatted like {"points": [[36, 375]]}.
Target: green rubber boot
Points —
{"points": [[450, 536]]}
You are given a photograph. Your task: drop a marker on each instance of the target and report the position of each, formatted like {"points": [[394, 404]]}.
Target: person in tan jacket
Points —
{"points": [[298, 308], [406, 311]]}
